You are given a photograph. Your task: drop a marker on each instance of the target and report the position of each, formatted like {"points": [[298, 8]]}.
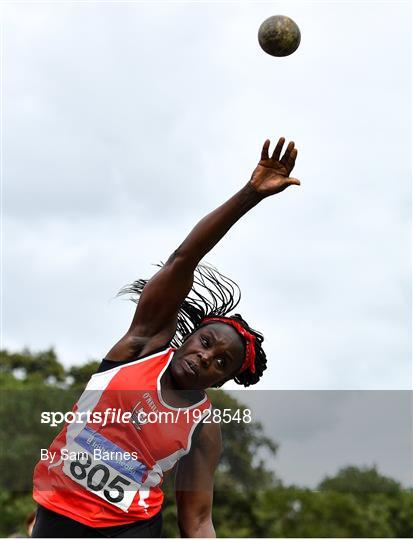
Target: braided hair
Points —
{"points": [[212, 295]]}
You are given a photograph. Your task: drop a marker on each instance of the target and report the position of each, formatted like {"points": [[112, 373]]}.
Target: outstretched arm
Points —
{"points": [[154, 323], [270, 176]]}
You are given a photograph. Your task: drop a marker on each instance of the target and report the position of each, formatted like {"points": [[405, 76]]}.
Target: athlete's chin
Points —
{"points": [[185, 380]]}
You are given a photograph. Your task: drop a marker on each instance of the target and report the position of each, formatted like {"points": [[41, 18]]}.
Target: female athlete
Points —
{"points": [[103, 475]]}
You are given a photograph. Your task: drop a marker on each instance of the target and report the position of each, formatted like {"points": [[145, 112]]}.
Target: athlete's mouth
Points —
{"points": [[190, 367]]}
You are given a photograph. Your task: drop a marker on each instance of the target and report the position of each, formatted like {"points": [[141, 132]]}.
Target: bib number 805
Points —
{"points": [[98, 477]]}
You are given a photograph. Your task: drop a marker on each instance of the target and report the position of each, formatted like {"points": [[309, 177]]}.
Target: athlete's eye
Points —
{"points": [[221, 362], [204, 341]]}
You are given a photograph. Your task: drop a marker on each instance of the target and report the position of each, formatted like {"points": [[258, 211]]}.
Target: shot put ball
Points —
{"points": [[279, 36]]}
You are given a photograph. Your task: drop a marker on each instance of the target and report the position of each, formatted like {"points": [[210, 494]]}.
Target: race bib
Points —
{"points": [[103, 468]]}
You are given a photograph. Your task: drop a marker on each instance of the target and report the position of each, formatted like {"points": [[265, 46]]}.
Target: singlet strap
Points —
{"points": [[110, 364]]}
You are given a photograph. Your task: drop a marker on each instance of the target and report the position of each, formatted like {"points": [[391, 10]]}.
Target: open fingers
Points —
{"points": [[287, 153], [278, 148], [264, 151], [291, 160]]}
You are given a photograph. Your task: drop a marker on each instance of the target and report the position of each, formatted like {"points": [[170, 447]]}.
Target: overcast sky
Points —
{"points": [[319, 432], [124, 123]]}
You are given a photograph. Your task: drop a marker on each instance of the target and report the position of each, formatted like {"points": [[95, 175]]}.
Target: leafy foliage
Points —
{"points": [[360, 481]]}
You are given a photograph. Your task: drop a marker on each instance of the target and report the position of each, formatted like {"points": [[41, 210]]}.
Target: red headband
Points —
{"points": [[249, 361]]}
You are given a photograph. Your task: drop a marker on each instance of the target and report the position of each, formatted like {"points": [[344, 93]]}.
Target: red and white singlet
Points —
{"points": [[107, 475]]}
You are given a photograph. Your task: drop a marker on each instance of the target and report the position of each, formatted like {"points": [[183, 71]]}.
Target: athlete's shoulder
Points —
{"points": [[162, 354]]}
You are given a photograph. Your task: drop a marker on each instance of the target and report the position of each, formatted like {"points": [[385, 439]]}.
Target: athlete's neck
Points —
{"points": [[177, 397]]}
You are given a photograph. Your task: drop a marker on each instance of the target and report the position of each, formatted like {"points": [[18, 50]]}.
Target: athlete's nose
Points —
{"points": [[205, 358]]}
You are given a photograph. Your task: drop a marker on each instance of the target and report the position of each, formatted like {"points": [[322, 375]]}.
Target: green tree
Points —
{"points": [[28, 387], [296, 512], [80, 375], [387, 508], [245, 447], [360, 481], [28, 366], [401, 509]]}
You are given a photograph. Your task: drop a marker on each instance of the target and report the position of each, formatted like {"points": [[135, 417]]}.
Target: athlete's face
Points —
{"points": [[212, 354]]}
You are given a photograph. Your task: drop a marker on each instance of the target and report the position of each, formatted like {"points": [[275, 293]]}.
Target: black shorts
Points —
{"points": [[49, 524]]}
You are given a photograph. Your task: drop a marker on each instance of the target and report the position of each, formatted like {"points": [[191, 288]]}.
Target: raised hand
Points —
{"points": [[272, 174]]}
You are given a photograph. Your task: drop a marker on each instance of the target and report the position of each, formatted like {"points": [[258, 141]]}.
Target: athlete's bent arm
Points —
{"points": [[194, 483], [154, 322]]}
